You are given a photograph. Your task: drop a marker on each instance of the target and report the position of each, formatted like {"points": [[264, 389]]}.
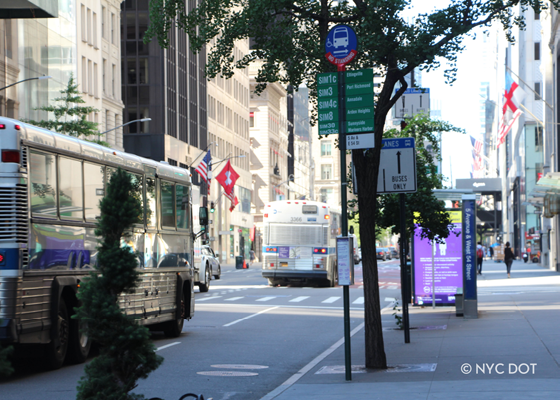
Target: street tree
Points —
{"points": [[70, 115], [126, 351], [288, 39]]}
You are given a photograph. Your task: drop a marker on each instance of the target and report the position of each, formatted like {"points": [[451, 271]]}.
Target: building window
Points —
{"points": [[90, 75], [537, 90], [103, 16], [327, 196], [89, 26], [95, 81], [84, 75], [252, 120], [326, 171], [84, 23], [95, 30], [537, 51], [112, 28], [8, 29], [113, 73], [106, 120], [537, 16], [325, 148], [104, 72]]}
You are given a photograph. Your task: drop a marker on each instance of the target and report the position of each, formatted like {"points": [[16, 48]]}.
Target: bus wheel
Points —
{"points": [[206, 285], [57, 348], [79, 343], [174, 328], [272, 282], [334, 279]]}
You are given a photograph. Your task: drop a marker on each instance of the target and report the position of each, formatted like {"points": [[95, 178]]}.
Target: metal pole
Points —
{"points": [[404, 275], [343, 200], [433, 274]]}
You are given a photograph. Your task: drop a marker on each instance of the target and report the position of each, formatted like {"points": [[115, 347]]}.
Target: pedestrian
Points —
{"points": [[479, 257], [491, 252], [508, 258], [252, 256]]}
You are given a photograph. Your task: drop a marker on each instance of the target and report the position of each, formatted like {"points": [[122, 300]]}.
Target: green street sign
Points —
{"points": [[359, 101], [328, 116], [353, 114], [330, 78], [359, 75], [328, 104], [327, 91], [359, 88], [328, 128], [363, 125]]}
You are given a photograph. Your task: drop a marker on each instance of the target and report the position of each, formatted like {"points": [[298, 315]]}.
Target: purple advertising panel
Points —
{"points": [[283, 252], [447, 263]]}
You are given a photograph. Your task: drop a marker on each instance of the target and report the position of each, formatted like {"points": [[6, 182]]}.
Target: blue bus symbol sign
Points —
{"points": [[341, 46]]}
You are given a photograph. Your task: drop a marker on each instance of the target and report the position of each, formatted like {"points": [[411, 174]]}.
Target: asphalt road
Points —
{"points": [[245, 339]]}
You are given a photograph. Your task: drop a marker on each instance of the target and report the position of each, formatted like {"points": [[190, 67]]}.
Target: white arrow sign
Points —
{"points": [[397, 166]]}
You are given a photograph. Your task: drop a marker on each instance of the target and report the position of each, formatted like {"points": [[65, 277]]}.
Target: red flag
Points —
{"points": [[234, 203], [227, 178]]}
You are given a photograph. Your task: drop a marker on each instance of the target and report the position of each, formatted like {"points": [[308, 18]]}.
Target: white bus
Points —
{"points": [[50, 187], [299, 243]]}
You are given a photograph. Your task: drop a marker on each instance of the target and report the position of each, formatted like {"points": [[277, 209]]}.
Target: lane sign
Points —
{"points": [[413, 101], [397, 166], [341, 46]]}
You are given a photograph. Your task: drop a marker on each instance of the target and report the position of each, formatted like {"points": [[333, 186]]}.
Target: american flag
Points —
{"points": [[204, 167], [476, 144]]}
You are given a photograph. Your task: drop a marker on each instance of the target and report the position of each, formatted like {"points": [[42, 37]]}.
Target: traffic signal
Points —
{"points": [[211, 206]]}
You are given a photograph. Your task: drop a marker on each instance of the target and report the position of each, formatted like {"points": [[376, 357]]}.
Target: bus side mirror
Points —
{"points": [[203, 216], [351, 230]]}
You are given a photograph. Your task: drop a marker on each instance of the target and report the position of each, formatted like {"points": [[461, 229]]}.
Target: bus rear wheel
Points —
{"points": [[58, 347], [174, 328], [79, 343]]}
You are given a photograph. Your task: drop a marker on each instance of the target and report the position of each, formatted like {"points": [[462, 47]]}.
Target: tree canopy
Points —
{"points": [[287, 39]]}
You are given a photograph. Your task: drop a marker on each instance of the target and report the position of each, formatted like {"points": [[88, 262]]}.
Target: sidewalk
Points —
{"points": [[512, 351]]}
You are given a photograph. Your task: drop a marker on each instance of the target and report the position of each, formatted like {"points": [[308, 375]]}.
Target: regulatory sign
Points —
{"points": [[345, 259], [413, 101], [341, 45], [361, 141], [397, 166]]}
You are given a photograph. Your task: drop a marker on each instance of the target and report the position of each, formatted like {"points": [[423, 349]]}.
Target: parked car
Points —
{"points": [[394, 253], [209, 267], [389, 254], [381, 253]]}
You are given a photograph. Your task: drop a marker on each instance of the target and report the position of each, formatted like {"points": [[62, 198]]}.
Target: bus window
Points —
{"points": [[137, 189], [150, 202], [70, 189], [43, 183], [182, 206], [93, 190], [167, 205]]}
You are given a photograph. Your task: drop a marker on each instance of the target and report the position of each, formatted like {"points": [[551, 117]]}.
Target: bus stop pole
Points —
{"points": [[404, 269], [344, 217]]}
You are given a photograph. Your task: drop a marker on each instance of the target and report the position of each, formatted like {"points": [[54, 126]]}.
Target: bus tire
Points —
{"points": [[58, 347], [79, 342], [174, 328], [203, 287], [334, 280]]}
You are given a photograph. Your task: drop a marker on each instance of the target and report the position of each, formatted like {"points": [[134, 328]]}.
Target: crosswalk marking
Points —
{"points": [[359, 300], [298, 299], [234, 298], [209, 298], [266, 298], [392, 287], [331, 299]]}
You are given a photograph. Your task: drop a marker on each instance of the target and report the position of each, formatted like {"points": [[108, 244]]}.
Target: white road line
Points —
{"points": [[392, 287], [298, 375], [331, 299], [251, 316], [167, 345], [298, 299], [234, 298], [266, 298], [208, 298], [359, 300]]}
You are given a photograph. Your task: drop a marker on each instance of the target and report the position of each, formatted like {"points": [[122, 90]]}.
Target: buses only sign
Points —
{"points": [[397, 166]]}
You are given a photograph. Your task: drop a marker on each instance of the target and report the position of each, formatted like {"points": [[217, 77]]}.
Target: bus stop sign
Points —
{"points": [[341, 46]]}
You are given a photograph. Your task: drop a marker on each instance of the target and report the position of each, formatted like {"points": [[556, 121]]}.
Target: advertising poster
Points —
{"points": [[448, 266]]}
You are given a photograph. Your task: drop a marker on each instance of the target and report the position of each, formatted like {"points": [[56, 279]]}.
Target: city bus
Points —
{"points": [[299, 242], [50, 187]]}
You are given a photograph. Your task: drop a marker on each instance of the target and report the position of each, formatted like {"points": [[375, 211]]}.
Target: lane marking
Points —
{"points": [[298, 375], [167, 345], [392, 287], [266, 298], [207, 298], [298, 299], [234, 298], [359, 300], [331, 299], [251, 316]]}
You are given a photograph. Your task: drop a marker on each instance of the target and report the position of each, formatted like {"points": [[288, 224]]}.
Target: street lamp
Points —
{"points": [[129, 122], [25, 80]]}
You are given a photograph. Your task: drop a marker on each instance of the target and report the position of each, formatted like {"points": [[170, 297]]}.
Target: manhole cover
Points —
{"points": [[239, 366], [227, 373], [412, 368]]}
